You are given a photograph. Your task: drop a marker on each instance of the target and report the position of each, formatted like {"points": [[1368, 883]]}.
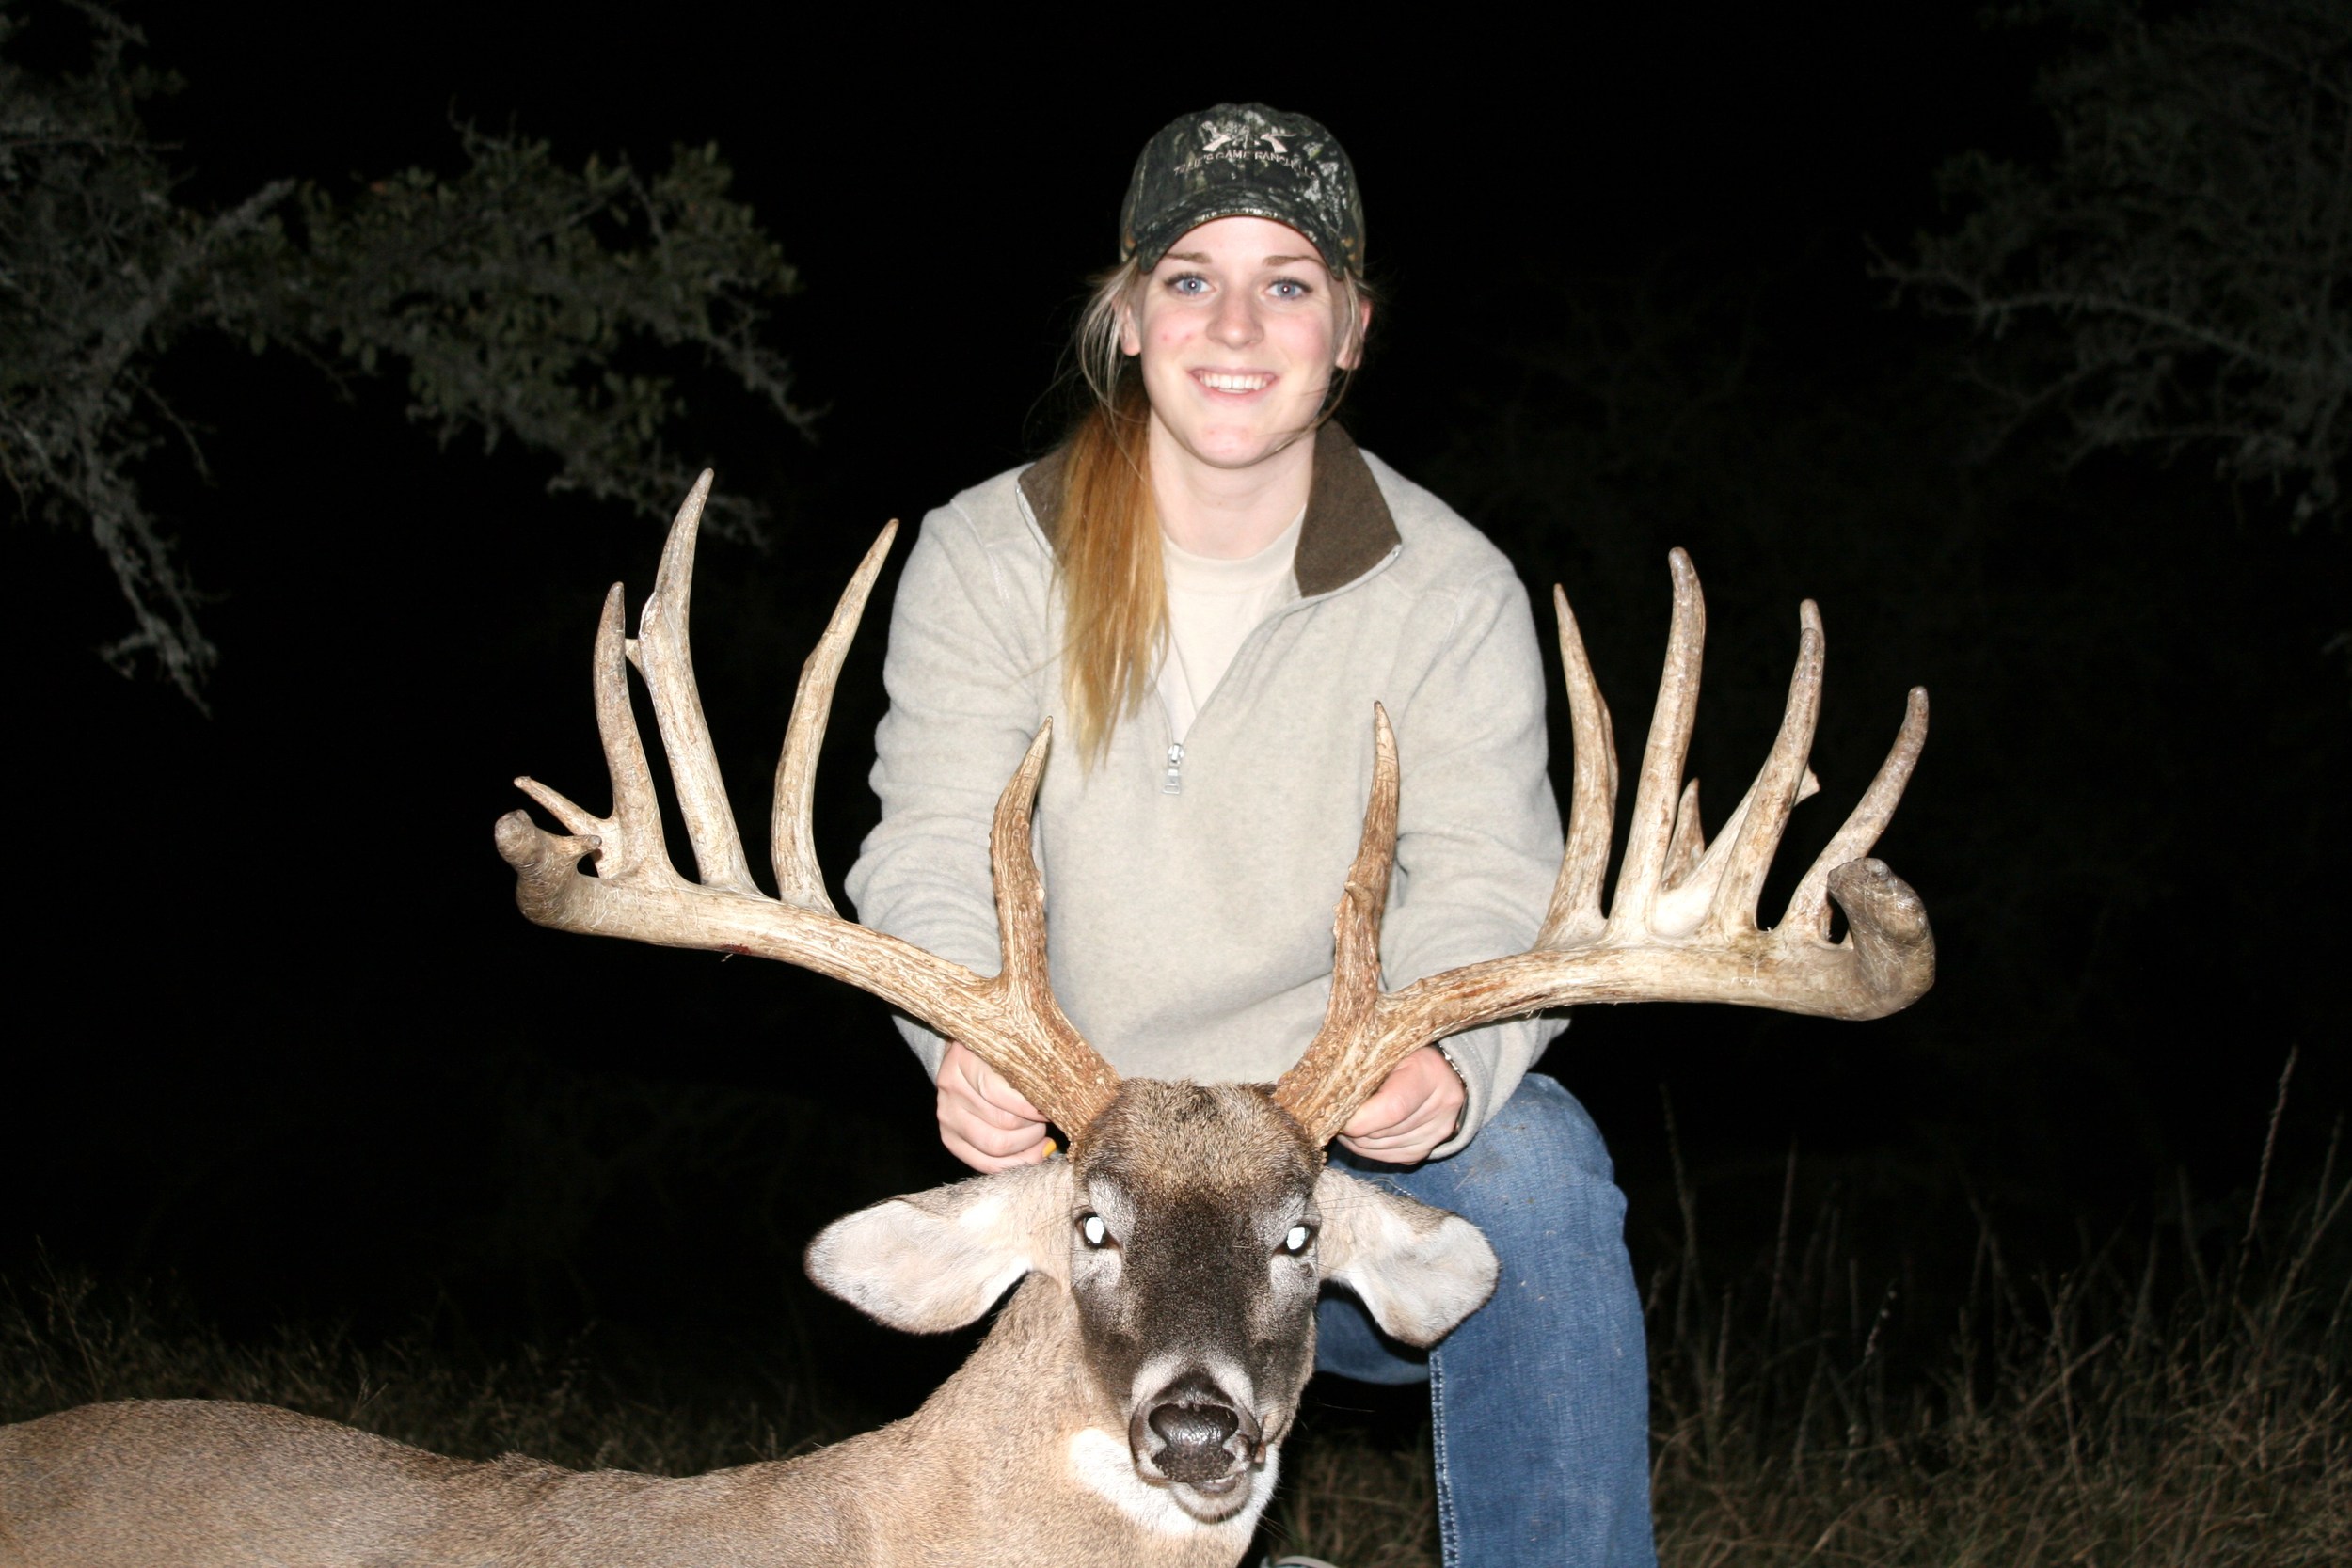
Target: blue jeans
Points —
{"points": [[1540, 1401]]}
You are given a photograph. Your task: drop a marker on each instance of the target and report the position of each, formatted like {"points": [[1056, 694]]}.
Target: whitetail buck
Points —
{"points": [[1130, 1404]]}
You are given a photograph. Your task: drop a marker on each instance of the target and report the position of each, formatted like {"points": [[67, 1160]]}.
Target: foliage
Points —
{"points": [[516, 295], [2175, 277]]}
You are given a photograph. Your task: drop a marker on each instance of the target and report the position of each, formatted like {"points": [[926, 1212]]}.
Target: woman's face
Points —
{"points": [[1238, 329]]}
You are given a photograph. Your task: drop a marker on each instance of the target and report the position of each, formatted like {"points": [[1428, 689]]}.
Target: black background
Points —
{"points": [[281, 1037]]}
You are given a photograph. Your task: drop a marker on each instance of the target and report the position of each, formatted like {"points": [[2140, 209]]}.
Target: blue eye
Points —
{"points": [[1189, 283], [1289, 288]]}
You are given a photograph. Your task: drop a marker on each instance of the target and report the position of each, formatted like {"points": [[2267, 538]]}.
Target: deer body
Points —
{"points": [[197, 1483], [210, 1485], [1130, 1404]]}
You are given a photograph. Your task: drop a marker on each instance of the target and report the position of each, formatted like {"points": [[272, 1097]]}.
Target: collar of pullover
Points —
{"points": [[1347, 530]]}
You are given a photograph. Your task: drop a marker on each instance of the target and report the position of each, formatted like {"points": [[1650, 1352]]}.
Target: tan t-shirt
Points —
{"points": [[1213, 606]]}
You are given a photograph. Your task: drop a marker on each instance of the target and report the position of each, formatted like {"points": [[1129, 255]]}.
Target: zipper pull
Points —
{"points": [[1172, 781]]}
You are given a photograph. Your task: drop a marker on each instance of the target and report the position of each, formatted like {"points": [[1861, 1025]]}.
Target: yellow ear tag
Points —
{"points": [[1052, 1148]]}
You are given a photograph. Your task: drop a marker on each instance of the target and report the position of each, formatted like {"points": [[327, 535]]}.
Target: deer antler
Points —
{"points": [[1682, 927], [1009, 1021]]}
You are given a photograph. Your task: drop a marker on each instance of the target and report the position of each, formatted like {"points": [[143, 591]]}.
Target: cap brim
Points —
{"points": [[1235, 203]]}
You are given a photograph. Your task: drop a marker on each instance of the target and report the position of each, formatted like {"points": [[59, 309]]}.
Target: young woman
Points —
{"points": [[1207, 587]]}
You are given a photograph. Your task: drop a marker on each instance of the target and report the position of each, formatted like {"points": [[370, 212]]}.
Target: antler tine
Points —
{"points": [[663, 651], [1685, 846], [791, 834], [1662, 754], [1575, 912], [1047, 1060], [1344, 1065], [1718, 896], [1808, 908], [628, 842]]}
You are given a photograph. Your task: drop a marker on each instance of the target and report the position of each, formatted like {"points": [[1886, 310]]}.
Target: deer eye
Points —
{"points": [[1097, 1234], [1296, 1242]]}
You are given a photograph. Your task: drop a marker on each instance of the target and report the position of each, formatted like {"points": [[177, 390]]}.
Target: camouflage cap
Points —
{"points": [[1243, 160]]}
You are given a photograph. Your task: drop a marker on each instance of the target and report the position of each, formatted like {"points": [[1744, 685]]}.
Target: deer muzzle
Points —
{"points": [[1192, 1433]]}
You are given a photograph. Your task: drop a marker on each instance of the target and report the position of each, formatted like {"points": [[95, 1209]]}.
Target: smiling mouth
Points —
{"points": [[1242, 382]]}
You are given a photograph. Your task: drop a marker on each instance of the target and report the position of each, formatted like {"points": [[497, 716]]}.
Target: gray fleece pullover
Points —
{"points": [[1189, 902]]}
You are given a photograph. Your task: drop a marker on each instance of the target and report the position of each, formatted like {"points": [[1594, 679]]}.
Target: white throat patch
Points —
{"points": [[1100, 1463]]}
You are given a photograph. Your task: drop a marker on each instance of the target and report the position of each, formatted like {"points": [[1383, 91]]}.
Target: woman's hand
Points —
{"points": [[983, 1121], [1416, 1108]]}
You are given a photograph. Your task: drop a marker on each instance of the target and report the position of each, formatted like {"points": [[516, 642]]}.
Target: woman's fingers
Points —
{"points": [[986, 1086], [1414, 1110], [1002, 1097], [983, 1119], [987, 1147], [1409, 1147], [989, 1160], [1419, 1088], [981, 1109], [988, 1125]]}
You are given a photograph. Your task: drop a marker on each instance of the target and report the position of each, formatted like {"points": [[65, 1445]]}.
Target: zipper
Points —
{"points": [[1172, 766]]}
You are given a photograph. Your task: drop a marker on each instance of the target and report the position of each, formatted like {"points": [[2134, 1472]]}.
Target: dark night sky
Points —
{"points": [[282, 1036]]}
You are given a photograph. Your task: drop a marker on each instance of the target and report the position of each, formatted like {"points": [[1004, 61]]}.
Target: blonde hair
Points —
{"points": [[1107, 537]]}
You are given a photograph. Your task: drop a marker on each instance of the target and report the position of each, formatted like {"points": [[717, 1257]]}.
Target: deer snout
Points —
{"points": [[1190, 1431]]}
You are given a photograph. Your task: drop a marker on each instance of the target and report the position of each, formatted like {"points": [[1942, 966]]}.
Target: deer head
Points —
{"points": [[1192, 1227], [1192, 1224]]}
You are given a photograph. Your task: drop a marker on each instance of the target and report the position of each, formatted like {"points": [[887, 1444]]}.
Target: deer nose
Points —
{"points": [[1201, 1435], [1194, 1426]]}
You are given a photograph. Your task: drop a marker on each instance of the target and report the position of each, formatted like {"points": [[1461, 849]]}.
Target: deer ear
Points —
{"points": [[931, 1261], [1418, 1269]]}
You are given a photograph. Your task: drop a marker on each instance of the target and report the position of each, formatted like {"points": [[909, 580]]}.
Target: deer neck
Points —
{"points": [[1021, 1432]]}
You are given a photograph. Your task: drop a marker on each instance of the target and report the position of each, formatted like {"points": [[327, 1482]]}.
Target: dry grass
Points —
{"points": [[1349, 1499], [63, 1342], [2164, 1405]]}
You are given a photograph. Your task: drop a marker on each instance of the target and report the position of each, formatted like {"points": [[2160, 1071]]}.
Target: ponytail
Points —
{"points": [[1106, 542]]}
